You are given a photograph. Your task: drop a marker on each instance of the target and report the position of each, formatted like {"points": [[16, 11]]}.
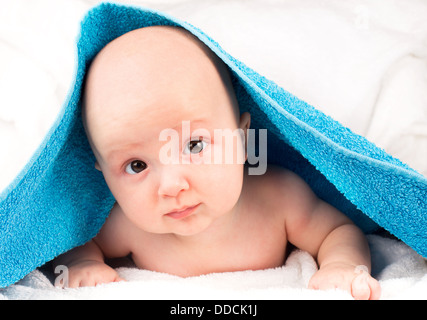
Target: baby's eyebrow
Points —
{"points": [[193, 123], [121, 152]]}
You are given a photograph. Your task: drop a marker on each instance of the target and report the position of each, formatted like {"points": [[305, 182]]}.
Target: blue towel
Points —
{"points": [[59, 201]]}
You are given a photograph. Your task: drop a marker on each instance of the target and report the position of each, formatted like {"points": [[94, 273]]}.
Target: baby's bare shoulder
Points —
{"points": [[279, 188], [277, 180], [114, 234]]}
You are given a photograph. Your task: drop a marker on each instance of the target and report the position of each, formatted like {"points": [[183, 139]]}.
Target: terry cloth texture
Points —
{"points": [[59, 201]]}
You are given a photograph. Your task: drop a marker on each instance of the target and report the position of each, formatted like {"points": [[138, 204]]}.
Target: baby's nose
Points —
{"points": [[172, 182]]}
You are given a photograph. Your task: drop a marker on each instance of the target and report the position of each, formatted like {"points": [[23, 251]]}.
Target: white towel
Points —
{"points": [[402, 274]]}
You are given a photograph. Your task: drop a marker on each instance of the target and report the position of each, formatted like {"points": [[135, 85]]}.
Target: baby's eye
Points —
{"points": [[195, 146], [136, 167]]}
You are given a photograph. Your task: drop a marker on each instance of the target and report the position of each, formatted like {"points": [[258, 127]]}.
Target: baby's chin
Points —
{"points": [[189, 226]]}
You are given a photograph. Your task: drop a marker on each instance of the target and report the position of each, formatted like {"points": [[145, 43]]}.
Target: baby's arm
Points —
{"points": [[86, 265], [340, 247], [344, 262]]}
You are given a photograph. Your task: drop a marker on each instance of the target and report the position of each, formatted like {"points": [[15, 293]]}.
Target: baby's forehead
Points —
{"points": [[145, 61], [157, 44], [159, 52], [144, 54]]}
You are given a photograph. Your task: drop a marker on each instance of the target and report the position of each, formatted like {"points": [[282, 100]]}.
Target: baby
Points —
{"points": [[196, 216]]}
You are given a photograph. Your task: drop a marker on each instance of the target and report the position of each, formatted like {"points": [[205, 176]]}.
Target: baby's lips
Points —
{"points": [[182, 213]]}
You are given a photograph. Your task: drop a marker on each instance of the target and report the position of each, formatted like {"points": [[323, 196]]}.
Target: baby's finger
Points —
{"points": [[375, 288], [360, 289], [119, 279]]}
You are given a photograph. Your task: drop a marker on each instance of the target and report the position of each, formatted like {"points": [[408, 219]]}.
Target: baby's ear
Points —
{"points": [[97, 166], [245, 121]]}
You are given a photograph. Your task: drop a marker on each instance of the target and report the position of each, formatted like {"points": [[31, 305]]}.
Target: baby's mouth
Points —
{"points": [[182, 212]]}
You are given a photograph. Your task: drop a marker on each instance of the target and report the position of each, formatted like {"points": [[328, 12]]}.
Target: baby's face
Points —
{"points": [[148, 94]]}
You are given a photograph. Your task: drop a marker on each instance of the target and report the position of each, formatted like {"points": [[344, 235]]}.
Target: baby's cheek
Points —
{"points": [[227, 184], [136, 205]]}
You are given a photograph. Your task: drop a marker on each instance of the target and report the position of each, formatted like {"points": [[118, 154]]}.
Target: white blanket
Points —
{"points": [[402, 274], [360, 61]]}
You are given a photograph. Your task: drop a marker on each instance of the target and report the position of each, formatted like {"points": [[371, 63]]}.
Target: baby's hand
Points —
{"points": [[90, 273], [355, 280]]}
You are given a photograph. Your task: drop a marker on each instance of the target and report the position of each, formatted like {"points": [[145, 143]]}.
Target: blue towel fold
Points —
{"points": [[59, 201]]}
